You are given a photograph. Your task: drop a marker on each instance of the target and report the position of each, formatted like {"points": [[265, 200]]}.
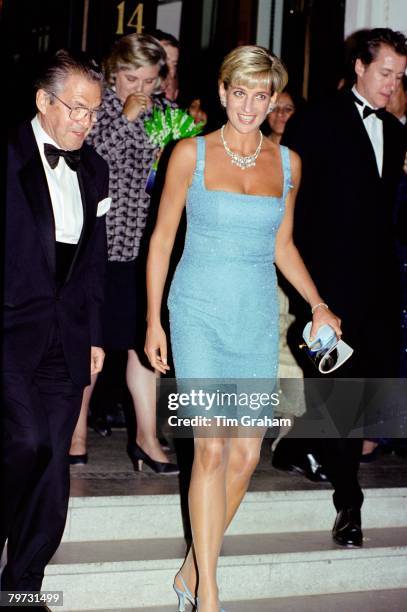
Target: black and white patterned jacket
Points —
{"points": [[126, 148]]}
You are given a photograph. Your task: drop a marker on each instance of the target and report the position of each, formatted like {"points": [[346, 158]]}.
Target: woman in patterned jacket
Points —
{"points": [[133, 73]]}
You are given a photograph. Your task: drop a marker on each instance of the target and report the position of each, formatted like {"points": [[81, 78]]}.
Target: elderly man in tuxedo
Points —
{"points": [[55, 255], [352, 153]]}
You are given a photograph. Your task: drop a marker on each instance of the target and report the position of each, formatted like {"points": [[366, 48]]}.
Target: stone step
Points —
{"points": [[114, 575], [139, 517], [392, 600]]}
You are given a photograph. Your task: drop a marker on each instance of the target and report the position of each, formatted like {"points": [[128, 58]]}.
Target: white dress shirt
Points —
{"points": [[64, 191], [374, 128]]}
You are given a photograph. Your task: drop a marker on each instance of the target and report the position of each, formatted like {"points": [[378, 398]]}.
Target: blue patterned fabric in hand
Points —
{"points": [[223, 301]]}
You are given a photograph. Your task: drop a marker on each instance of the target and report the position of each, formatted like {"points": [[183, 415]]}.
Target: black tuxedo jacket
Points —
{"points": [[344, 219], [33, 302]]}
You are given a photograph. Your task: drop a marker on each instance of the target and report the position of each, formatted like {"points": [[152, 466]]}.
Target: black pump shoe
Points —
{"points": [[138, 457], [347, 529]]}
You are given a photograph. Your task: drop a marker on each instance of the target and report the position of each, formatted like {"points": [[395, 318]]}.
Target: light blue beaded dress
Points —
{"points": [[223, 301]]}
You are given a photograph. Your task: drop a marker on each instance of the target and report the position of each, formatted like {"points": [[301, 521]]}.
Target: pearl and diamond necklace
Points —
{"points": [[241, 161]]}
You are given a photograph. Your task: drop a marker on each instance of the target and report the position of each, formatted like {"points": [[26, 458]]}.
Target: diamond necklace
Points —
{"points": [[241, 161]]}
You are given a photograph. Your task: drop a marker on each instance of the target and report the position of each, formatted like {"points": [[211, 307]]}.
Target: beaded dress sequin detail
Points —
{"points": [[223, 301]]}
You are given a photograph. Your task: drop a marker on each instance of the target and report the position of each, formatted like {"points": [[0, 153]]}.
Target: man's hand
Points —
{"points": [[97, 357]]}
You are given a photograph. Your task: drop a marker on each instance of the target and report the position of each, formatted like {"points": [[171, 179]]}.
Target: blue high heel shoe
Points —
{"points": [[184, 596], [197, 606]]}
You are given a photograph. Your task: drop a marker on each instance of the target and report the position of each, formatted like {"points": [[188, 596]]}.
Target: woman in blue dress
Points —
{"points": [[239, 191]]}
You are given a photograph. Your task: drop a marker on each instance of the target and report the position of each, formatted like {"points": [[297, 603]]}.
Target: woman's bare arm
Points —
{"points": [[178, 178], [289, 260]]}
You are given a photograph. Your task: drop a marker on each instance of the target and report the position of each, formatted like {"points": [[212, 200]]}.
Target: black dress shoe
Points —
{"points": [[101, 426], [347, 530], [308, 467], [78, 459]]}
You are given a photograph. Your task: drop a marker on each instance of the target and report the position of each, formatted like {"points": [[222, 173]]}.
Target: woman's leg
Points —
{"points": [[207, 510], [141, 382], [220, 478], [80, 435], [244, 455]]}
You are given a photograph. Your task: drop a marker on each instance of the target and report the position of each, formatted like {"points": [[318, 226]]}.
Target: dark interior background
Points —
{"points": [[311, 43]]}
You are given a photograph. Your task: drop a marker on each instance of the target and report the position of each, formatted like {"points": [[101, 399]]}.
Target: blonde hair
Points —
{"points": [[250, 65], [134, 51]]}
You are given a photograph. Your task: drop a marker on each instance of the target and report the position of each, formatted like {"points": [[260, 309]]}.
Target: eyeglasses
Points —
{"points": [[283, 109], [79, 113]]}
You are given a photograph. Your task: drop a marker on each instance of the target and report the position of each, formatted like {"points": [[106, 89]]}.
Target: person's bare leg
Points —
{"points": [[207, 510], [141, 383], [243, 456], [80, 435]]}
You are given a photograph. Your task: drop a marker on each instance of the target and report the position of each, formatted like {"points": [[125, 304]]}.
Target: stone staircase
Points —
{"points": [[121, 553]]}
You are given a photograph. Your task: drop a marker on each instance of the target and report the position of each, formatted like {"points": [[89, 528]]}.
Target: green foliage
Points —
{"points": [[171, 124]]}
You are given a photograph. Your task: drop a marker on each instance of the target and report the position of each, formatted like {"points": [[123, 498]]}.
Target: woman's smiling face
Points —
{"points": [[246, 107]]}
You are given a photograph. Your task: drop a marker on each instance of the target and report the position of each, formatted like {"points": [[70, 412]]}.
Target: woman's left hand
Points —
{"points": [[325, 316]]}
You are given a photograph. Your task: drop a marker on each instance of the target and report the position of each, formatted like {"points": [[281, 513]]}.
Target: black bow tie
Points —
{"points": [[53, 154], [379, 112]]}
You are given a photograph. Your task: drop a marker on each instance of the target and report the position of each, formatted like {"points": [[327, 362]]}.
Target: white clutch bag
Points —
{"points": [[325, 351]]}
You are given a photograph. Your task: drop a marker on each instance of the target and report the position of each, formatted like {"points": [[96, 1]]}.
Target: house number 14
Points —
{"points": [[135, 21]]}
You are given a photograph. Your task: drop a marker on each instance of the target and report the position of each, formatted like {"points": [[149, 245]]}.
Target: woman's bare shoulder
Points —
{"points": [[185, 153], [186, 148], [295, 161]]}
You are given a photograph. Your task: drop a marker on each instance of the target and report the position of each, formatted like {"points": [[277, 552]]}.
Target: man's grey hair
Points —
{"points": [[62, 65]]}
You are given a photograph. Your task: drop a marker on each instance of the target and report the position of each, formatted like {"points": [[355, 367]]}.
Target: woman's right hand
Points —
{"points": [[156, 348], [135, 104]]}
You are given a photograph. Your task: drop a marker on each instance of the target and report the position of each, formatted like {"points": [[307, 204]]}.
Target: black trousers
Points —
{"points": [[340, 454], [340, 459], [342, 401], [40, 411], [329, 403]]}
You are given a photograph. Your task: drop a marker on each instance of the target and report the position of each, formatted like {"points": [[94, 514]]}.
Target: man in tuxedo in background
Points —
{"points": [[352, 153], [55, 254], [398, 102]]}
